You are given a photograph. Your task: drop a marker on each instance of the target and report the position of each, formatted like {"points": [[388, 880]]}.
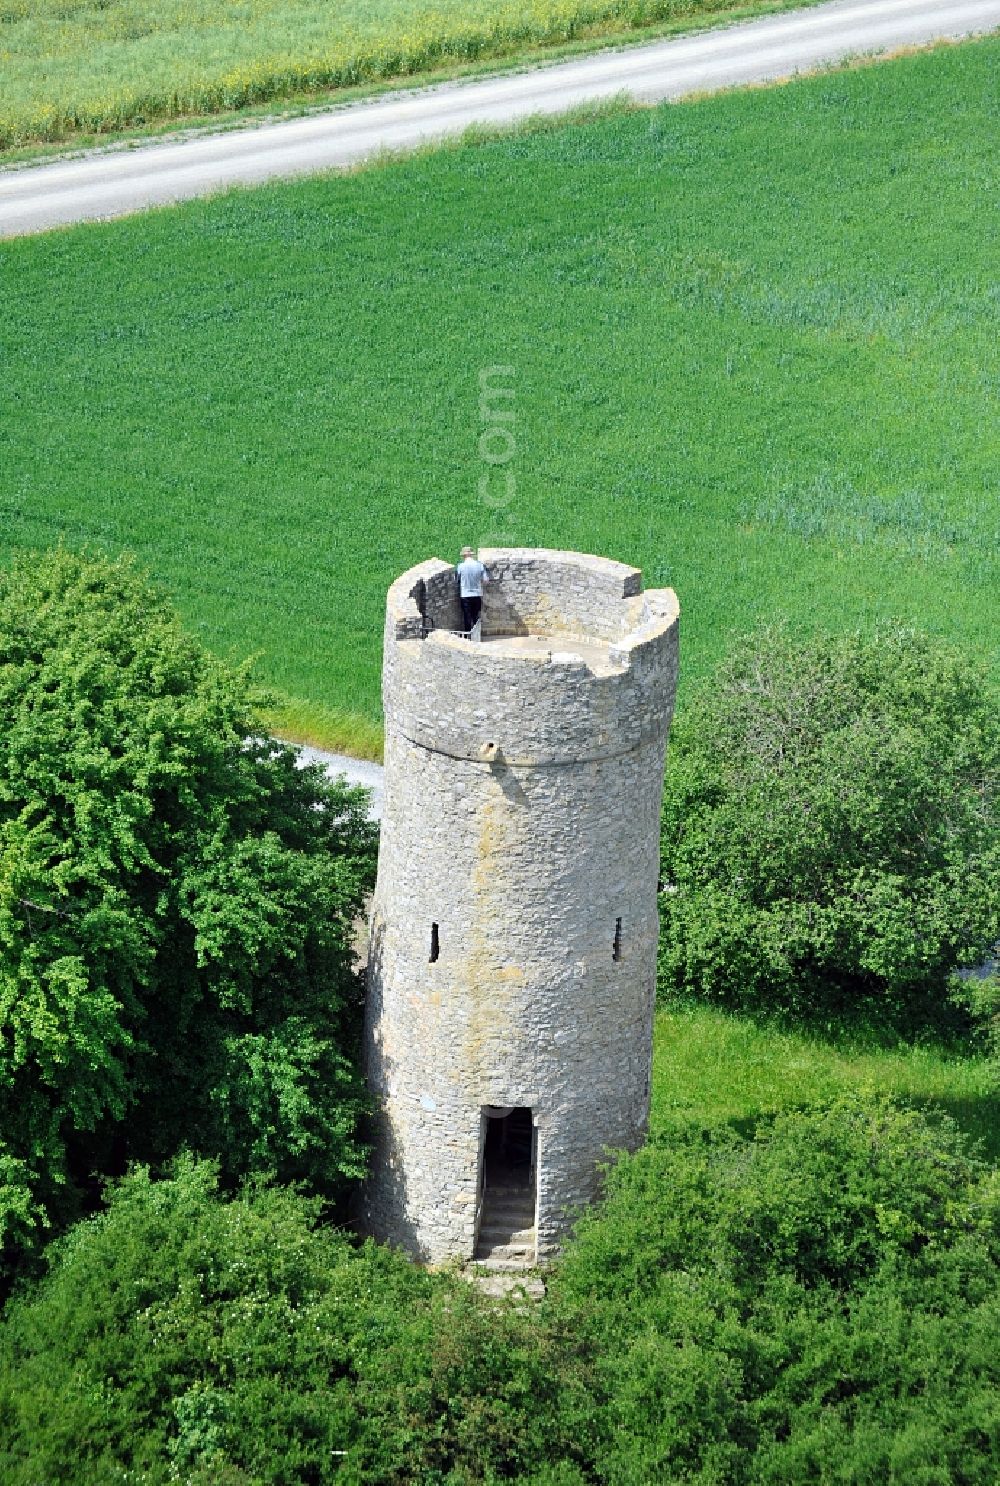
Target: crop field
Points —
{"points": [[751, 344], [93, 66]]}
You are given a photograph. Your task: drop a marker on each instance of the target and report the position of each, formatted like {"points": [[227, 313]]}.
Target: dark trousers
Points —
{"points": [[471, 610]]}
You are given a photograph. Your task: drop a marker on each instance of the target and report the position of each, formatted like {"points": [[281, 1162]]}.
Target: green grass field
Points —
{"points": [[82, 67], [712, 1067], [754, 348]]}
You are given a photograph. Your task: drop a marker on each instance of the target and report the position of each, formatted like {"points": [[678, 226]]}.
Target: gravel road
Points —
{"points": [[115, 182], [357, 771]]}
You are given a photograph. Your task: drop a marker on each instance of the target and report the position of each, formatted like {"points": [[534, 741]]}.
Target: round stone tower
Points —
{"points": [[512, 969]]}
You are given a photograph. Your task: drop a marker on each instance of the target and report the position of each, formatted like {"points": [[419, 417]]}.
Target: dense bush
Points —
{"points": [[979, 998], [183, 1337], [831, 825], [176, 899], [817, 1304]]}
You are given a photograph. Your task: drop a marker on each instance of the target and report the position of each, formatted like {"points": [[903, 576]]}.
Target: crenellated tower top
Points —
{"points": [[576, 662]]}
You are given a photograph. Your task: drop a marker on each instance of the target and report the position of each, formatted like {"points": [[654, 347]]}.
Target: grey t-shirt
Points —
{"points": [[471, 577]]}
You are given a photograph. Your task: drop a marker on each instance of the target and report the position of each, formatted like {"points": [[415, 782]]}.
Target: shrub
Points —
{"points": [[831, 825], [183, 1336], [979, 997], [813, 1305], [816, 1304], [176, 898], [179, 1332]]}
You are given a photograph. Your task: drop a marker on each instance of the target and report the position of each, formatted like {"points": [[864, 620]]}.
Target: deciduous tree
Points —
{"points": [[176, 901], [831, 824]]}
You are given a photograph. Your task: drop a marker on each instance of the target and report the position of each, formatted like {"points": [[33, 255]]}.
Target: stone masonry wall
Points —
{"points": [[557, 593], [460, 698], [521, 816]]}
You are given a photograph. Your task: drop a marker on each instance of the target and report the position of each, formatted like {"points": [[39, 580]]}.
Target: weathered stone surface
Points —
{"points": [[522, 797]]}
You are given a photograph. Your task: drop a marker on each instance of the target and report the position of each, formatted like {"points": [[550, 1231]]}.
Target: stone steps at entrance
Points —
{"points": [[494, 1233], [518, 1255], [516, 1201], [507, 1237], [514, 1217], [495, 1281], [522, 1241]]}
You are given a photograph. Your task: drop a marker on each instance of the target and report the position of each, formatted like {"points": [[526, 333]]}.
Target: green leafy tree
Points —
{"points": [[181, 1336], [818, 1303], [176, 901], [831, 825]]}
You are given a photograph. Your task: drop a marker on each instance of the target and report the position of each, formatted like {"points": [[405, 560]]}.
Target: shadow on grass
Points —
{"points": [[977, 1117], [868, 1024]]}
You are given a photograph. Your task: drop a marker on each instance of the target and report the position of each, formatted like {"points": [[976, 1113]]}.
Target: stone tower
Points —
{"points": [[511, 980]]}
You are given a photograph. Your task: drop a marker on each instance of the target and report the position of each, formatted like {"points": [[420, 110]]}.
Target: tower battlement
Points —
{"points": [[511, 980], [576, 661]]}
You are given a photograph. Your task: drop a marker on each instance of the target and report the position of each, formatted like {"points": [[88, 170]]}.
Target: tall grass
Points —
{"points": [[755, 351], [68, 66], [311, 722]]}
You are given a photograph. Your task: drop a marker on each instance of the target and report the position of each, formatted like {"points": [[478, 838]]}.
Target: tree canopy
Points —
{"points": [[176, 901], [816, 1302], [813, 1303], [831, 824]]}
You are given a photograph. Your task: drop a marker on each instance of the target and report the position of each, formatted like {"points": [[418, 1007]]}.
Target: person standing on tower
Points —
{"points": [[471, 577]]}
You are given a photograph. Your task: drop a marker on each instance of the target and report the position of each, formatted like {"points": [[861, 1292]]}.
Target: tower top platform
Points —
{"points": [[576, 660]]}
